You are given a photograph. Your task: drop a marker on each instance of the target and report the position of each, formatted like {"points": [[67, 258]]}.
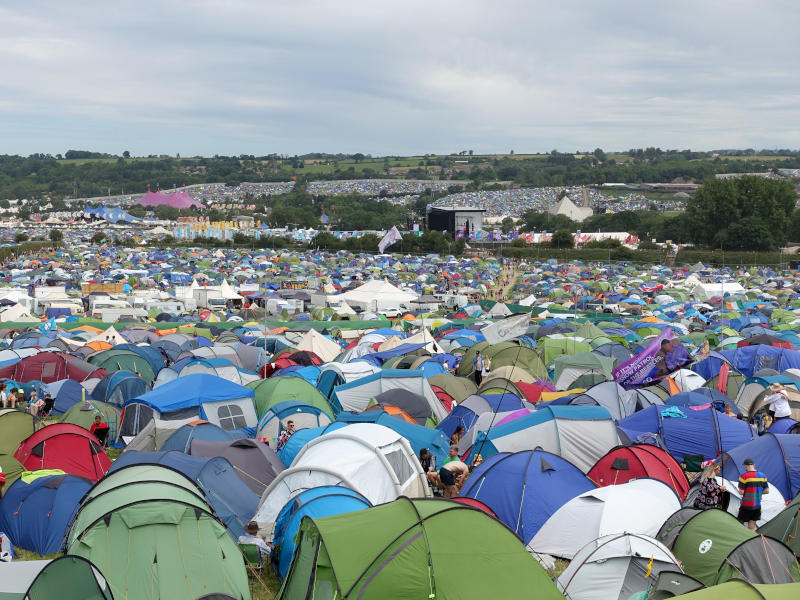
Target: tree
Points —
{"points": [[599, 154], [507, 225], [99, 238], [746, 213], [21, 237], [56, 235], [562, 239], [126, 154]]}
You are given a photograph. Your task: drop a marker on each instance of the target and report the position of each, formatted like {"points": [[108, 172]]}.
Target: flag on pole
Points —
{"points": [[48, 325], [390, 238]]}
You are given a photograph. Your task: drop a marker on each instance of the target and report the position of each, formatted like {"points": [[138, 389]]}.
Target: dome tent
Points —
{"points": [[775, 455], [605, 511], [15, 426], [66, 578], [255, 463], [67, 447], [624, 463], [182, 438], [272, 391], [413, 549], [303, 415], [613, 567], [525, 488], [371, 459], [772, 503]]}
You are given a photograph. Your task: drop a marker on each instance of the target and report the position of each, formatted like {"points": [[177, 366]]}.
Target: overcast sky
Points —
{"points": [[256, 77]]}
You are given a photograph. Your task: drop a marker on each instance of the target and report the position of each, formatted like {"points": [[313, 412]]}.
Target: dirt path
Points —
{"points": [[508, 278]]}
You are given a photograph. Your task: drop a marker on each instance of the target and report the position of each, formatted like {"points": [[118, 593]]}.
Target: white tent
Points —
{"points": [[688, 380], [155, 434], [638, 506], [325, 348], [17, 313], [771, 503], [423, 337], [353, 370], [376, 292], [706, 291], [111, 336], [499, 310], [368, 458], [615, 567]]}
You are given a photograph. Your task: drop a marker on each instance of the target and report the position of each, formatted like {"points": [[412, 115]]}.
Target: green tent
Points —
{"points": [[551, 347], [15, 426], [511, 354], [413, 549], [82, 414], [274, 390], [458, 388], [714, 547], [154, 540], [742, 590], [785, 526], [12, 468], [568, 368], [120, 359], [732, 384], [66, 578], [465, 367]]}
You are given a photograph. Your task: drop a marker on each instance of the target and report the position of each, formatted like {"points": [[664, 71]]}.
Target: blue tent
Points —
{"points": [[784, 426], [378, 358], [525, 488], [748, 360], [467, 413], [37, 515], [700, 397], [777, 456], [118, 387], [294, 444], [325, 501], [66, 393], [418, 436], [305, 416], [153, 357], [181, 438], [686, 431], [233, 502], [310, 373]]}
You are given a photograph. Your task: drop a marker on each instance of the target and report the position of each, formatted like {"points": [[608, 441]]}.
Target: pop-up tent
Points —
{"points": [[785, 526], [714, 547], [413, 549], [525, 488], [615, 567], [208, 397]]}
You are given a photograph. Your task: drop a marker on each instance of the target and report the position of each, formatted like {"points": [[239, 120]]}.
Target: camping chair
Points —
{"points": [[693, 463], [253, 561]]}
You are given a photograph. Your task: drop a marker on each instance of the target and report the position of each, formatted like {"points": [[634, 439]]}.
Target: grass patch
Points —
{"points": [[560, 566]]}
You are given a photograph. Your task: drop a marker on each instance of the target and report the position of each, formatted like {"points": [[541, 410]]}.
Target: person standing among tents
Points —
{"points": [[3, 395], [428, 463], [477, 367], [752, 485], [779, 401], [711, 493]]}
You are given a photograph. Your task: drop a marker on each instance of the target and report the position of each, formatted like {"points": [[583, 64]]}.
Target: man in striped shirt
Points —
{"points": [[752, 484]]}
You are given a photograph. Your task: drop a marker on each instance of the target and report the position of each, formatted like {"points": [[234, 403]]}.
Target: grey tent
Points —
{"points": [[414, 405], [611, 396], [255, 462], [615, 567]]}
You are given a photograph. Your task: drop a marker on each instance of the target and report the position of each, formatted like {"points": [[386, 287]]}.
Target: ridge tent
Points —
{"points": [[525, 488], [370, 459], [685, 431], [580, 434], [303, 415], [325, 501], [181, 439], [785, 526], [615, 567], [356, 396], [605, 511], [66, 578], [15, 426], [67, 447], [207, 397], [772, 503], [624, 463], [412, 549], [272, 391], [151, 541], [255, 463], [714, 547], [775, 455], [418, 437], [231, 500], [37, 510]]}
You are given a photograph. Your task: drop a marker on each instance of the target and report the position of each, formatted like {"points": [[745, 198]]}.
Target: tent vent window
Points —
{"points": [[231, 416], [398, 461]]}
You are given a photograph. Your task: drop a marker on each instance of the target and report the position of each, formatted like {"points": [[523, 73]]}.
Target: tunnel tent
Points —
{"points": [[415, 549], [775, 455]]}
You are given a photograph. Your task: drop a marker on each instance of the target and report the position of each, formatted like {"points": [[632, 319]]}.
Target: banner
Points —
{"points": [[390, 238], [507, 329], [662, 356]]}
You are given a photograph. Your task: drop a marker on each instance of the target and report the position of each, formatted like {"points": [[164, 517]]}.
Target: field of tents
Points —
{"points": [[584, 439]]}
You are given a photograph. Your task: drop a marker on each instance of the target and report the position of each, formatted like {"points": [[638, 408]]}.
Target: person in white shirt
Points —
{"points": [[251, 537], [779, 399]]}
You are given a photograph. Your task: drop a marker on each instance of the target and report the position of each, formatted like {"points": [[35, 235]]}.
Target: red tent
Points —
{"points": [[767, 340], [48, 367], [533, 391], [475, 504], [624, 463], [445, 398], [67, 447]]}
